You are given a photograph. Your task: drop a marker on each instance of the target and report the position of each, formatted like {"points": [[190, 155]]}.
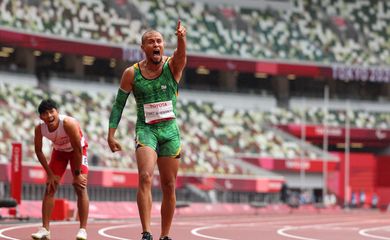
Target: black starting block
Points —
{"points": [[10, 203]]}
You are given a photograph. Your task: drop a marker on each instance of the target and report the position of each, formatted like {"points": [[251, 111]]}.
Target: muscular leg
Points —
{"points": [[146, 161], [58, 163], [82, 201], [168, 168], [48, 204]]}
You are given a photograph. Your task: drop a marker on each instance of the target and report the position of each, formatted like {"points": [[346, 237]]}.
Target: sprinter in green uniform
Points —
{"points": [[154, 83]]}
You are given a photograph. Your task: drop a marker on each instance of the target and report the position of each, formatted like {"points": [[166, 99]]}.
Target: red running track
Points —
{"points": [[351, 225]]}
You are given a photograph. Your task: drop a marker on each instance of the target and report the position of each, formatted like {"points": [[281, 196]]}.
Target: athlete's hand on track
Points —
{"points": [[114, 145]]}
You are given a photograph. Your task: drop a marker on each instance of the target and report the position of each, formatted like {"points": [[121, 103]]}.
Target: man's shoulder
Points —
{"points": [[64, 117], [68, 120], [130, 70], [38, 126], [167, 59]]}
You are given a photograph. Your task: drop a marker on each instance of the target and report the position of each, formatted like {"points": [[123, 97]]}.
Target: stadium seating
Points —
{"points": [[329, 31], [210, 134], [359, 118]]}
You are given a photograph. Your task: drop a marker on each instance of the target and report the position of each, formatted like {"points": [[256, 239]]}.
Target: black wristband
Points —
{"points": [[77, 172]]}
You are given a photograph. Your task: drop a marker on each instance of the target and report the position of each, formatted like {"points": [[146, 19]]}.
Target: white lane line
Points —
{"points": [[283, 230], [363, 232], [196, 230], [16, 227], [103, 233], [27, 226], [282, 233], [103, 230]]}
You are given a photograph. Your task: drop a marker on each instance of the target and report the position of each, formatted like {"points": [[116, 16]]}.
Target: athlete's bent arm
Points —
{"points": [[72, 128], [124, 90], [51, 179]]}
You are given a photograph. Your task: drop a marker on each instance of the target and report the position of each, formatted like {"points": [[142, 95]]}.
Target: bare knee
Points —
{"points": [[168, 187], [145, 179], [79, 188], [50, 192]]}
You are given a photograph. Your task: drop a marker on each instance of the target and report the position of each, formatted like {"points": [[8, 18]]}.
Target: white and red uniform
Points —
{"points": [[62, 148]]}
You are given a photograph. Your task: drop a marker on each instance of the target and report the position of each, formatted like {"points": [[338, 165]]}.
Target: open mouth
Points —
{"points": [[156, 56], [156, 53]]}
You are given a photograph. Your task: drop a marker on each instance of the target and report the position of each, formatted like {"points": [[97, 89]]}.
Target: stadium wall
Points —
{"points": [[34, 174], [383, 180], [383, 169], [363, 176]]}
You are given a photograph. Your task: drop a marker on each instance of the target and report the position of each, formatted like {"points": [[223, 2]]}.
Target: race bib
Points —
{"points": [[159, 111], [84, 161]]}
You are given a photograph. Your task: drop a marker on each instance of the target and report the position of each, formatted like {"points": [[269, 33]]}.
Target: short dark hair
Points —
{"points": [[146, 33], [46, 104]]}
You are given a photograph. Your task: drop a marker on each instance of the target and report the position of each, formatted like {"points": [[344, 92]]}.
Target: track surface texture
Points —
{"points": [[351, 225]]}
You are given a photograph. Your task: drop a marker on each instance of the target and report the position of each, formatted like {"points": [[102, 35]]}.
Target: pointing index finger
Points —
{"points": [[178, 23]]}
